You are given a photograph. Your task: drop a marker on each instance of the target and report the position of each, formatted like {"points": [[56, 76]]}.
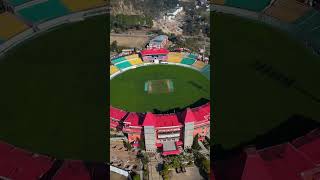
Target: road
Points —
{"points": [[152, 167], [141, 35], [129, 35]]}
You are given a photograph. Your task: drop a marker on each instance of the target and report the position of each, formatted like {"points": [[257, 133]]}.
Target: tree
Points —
{"points": [[195, 144], [141, 144], [114, 46], [165, 171], [144, 158], [175, 163], [127, 145], [136, 177], [205, 165]]}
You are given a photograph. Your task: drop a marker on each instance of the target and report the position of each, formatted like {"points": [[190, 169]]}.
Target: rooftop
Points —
{"points": [[116, 113], [154, 51], [133, 119], [198, 115]]}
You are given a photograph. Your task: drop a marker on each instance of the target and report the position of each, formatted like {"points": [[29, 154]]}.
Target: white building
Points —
{"points": [[171, 15]]}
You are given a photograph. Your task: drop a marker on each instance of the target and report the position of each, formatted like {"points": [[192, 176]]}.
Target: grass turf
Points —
{"points": [[247, 102], [53, 92], [159, 86], [127, 89]]}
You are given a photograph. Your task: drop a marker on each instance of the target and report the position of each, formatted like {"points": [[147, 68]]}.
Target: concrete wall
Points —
{"points": [[188, 134], [119, 171], [150, 138]]}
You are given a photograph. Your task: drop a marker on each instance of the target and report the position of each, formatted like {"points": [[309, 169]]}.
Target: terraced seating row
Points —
{"points": [[245, 4], [28, 12], [17, 2], [124, 62], [125, 58], [43, 11], [287, 10], [123, 65], [175, 57], [199, 64], [295, 16], [10, 26], [72, 5], [192, 56], [206, 71], [118, 60], [308, 27], [113, 69], [135, 61], [80, 5], [36, 11], [187, 61], [133, 56]]}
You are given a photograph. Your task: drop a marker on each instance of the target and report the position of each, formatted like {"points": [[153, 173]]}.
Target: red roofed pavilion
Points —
{"points": [[154, 55]]}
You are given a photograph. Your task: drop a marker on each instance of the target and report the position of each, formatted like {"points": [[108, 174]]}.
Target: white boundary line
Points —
{"points": [[152, 64]]}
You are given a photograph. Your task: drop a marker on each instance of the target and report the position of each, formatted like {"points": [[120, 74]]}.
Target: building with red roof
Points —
{"points": [[159, 42], [296, 160], [116, 115], [169, 133], [72, 170], [133, 127], [154, 55]]}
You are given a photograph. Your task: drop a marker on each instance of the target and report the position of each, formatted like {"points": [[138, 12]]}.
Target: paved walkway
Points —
{"points": [[152, 167], [191, 174]]}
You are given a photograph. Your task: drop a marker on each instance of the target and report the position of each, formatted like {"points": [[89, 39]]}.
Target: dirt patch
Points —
{"points": [[130, 40], [117, 176], [121, 157]]}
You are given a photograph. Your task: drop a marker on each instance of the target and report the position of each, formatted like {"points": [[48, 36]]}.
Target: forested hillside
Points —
{"points": [[151, 8]]}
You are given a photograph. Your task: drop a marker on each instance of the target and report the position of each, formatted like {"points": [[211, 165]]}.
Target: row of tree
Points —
{"points": [[120, 22], [196, 21], [152, 8]]}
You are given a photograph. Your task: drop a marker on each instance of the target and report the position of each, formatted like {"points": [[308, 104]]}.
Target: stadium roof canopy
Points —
{"points": [[154, 52], [117, 114], [133, 119]]}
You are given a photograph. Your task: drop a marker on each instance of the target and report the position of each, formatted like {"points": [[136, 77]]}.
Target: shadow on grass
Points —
{"points": [[198, 103]]}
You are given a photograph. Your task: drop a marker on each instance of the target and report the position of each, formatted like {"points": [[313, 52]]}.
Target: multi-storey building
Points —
{"points": [[154, 55], [158, 42], [167, 133], [116, 115]]}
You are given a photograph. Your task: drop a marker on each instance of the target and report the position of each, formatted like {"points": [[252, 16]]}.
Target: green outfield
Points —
{"points": [[52, 92], [261, 78], [128, 90]]}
